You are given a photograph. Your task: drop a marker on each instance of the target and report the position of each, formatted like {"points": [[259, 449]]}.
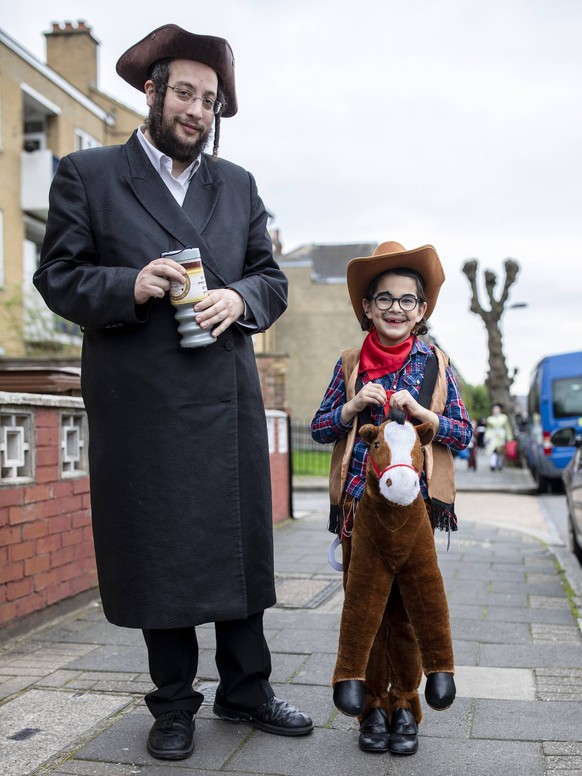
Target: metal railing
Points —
{"points": [[308, 457]]}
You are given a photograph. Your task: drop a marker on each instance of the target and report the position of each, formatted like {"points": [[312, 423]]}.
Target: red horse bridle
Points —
{"points": [[381, 472]]}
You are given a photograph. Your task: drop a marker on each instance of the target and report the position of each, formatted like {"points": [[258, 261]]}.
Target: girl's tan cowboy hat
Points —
{"points": [[171, 41], [391, 255]]}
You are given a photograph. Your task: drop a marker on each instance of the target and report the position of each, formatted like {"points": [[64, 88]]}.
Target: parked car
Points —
{"points": [[571, 438], [554, 402]]}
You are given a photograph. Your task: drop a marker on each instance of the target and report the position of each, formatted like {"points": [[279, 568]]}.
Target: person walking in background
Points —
{"points": [[180, 484], [497, 433], [472, 448], [393, 293], [481, 426]]}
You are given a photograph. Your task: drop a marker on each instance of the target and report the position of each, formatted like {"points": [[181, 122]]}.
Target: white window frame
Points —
{"points": [[84, 140]]}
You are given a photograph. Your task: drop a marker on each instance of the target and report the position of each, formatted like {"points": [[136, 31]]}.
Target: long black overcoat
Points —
{"points": [[180, 485]]}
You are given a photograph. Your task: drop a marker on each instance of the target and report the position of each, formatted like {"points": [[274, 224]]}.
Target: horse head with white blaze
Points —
{"points": [[395, 457]]}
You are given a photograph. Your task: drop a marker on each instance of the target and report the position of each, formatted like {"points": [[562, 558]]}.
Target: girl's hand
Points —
{"points": [[402, 400], [370, 393]]}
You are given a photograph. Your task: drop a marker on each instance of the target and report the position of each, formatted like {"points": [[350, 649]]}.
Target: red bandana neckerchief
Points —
{"points": [[377, 360]]}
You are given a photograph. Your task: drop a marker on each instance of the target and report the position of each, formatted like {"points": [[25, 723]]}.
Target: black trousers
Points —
{"points": [[243, 661]]}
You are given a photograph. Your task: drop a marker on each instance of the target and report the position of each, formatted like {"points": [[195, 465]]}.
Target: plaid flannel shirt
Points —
{"points": [[454, 430]]}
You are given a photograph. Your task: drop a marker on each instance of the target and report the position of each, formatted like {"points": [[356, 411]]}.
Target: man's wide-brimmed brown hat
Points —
{"points": [[391, 255], [172, 41]]}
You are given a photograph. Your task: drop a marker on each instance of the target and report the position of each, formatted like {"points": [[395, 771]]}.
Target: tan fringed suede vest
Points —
{"points": [[438, 460]]}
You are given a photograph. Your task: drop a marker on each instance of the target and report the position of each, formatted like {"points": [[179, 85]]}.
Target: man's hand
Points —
{"points": [[222, 306], [154, 279]]}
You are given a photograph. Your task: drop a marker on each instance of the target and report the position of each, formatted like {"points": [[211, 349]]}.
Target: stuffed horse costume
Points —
{"points": [[392, 539]]}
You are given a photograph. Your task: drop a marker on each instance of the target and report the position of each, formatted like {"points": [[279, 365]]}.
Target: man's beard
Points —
{"points": [[166, 140]]}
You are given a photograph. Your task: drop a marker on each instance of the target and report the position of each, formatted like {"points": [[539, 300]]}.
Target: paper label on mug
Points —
{"points": [[193, 288]]}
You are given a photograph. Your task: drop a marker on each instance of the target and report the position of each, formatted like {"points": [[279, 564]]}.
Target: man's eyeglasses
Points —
{"points": [[185, 95], [407, 303]]}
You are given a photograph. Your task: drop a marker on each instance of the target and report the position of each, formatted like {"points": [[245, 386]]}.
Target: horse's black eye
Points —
{"points": [[376, 445]]}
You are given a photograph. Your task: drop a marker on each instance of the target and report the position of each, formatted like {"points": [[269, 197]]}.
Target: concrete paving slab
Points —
{"points": [[40, 723], [317, 701], [549, 602], [492, 632], [453, 722], [562, 748], [538, 656], [529, 588], [116, 657], [555, 634], [471, 587], [300, 618], [89, 768], [317, 669], [296, 640], [466, 652], [499, 510], [522, 721], [460, 757], [125, 742], [15, 684], [558, 616], [287, 666], [467, 611], [559, 684], [319, 754], [459, 595], [207, 664], [91, 632], [484, 571], [501, 683]]}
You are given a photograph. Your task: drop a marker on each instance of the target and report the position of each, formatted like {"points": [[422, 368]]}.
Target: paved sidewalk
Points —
{"points": [[71, 691]]}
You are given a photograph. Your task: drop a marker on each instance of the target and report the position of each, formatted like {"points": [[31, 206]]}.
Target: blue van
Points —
{"points": [[554, 401]]}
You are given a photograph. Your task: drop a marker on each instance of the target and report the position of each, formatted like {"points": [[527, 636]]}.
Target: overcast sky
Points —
{"points": [[450, 122]]}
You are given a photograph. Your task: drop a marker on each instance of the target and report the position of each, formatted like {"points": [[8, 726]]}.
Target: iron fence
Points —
{"points": [[308, 457]]}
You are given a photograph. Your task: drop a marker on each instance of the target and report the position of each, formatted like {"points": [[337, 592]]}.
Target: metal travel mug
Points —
{"points": [[184, 296]]}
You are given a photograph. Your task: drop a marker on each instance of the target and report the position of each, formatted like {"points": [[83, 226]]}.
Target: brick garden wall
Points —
{"points": [[46, 544]]}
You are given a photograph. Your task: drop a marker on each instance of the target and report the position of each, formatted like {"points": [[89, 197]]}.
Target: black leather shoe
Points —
{"points": [[403, 732], [349, 697], [374, 735], [440, 690], [275, 716], [171, 737]]}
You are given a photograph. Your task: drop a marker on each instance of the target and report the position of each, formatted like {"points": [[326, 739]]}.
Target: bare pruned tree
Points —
{"points": [[498, 380]]}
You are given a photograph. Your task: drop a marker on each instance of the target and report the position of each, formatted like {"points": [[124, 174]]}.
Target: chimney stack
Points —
{"points": [[71, 50]]}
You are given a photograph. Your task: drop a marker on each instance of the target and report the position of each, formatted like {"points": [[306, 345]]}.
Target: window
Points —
{"points": [[40, 324], [567, 397], [34, 135], [85, 140], [37, 111]]}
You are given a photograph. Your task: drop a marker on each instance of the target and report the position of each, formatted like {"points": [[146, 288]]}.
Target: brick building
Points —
{"points": [[319, 322], [47, 110]]}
